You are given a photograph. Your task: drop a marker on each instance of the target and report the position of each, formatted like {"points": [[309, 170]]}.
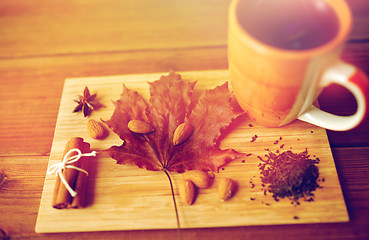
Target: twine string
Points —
{"points": [[58, 168]]}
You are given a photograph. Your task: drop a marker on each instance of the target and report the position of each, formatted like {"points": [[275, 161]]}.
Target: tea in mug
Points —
{"points": [[289, 24]]}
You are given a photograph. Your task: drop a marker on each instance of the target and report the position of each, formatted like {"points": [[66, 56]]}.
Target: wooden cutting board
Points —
{"points": [[124, 197]]}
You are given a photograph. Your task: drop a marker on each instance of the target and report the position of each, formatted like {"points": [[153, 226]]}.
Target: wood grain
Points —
{"points": [[44, 42], [65, 27], [126, 197], [72, 27]]}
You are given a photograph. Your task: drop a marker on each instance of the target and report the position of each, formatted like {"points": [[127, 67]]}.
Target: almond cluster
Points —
{"points": [[199, 179]]}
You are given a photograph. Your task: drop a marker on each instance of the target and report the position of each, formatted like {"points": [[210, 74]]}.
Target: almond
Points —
{"points": [[226, 188], [138, 126], [182, 133], [95, 129], [187, 191], [200, 178]]}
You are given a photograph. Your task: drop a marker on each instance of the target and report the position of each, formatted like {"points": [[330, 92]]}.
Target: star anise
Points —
{"points": [[86, 103]]}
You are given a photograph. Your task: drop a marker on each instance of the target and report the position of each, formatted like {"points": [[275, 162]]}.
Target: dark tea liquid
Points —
{"points": [[289, 24]]}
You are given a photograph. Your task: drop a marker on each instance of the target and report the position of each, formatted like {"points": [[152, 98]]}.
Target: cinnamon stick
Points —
{"points": [[62, 198], [80, 187], [57, 183]]}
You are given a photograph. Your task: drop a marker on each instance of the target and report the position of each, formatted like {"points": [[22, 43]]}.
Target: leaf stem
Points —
{"points": [[175, 205]]}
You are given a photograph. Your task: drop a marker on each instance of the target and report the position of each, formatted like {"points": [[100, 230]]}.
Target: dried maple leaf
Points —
{"points": [[172, 103]]}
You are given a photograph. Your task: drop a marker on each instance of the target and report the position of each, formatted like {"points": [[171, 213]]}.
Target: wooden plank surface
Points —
{"points": [[65, 27], [42, 27], [126, 197], [44, 42]]}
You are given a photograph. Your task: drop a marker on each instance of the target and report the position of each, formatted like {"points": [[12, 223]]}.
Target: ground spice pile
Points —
{"points": [[288, 174]]}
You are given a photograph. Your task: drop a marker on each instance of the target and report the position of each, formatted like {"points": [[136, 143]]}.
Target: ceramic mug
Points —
{"points": [[281, 54]]}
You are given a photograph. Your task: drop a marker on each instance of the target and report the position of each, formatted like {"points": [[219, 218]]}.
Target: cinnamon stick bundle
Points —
{"points": [[79, 200], [77, 180]]}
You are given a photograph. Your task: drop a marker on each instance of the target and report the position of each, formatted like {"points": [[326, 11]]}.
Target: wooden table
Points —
{"points": [[44, 42]]}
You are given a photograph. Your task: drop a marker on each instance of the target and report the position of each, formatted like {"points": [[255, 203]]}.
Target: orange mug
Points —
{"points": [[281, 54]]}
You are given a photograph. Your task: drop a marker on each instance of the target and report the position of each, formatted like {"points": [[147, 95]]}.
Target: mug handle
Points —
{"points": [[357, 83]]}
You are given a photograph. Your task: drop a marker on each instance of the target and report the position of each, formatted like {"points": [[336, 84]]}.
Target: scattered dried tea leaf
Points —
{"points": [[3, 178], [288, 174]]}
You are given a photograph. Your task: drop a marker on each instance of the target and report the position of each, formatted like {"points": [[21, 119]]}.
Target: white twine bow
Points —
{"points": [[57, 168]]}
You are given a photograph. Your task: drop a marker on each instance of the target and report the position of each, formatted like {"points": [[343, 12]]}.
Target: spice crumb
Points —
{"points": [[253, 139], [252, 198], [296, 217], [281, 146], [250, 125], [3, 178]]}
